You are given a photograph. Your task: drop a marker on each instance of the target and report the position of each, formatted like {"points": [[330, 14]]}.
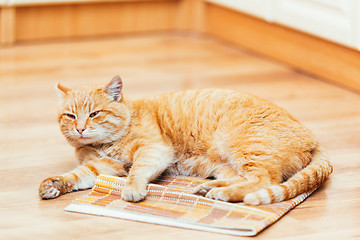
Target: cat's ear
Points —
{"points": [[114, 88], [61, 91]]}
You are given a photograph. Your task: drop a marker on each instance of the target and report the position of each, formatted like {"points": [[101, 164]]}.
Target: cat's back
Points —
{"points": [[203, 109], [211, 104], [200, 100], [197, 104]]}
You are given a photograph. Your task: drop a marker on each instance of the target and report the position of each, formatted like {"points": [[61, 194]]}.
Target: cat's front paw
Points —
{"points": [[52, 187], [133, 194]]}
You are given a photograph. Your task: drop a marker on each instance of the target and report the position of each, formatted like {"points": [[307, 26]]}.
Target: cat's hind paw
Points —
{"points": [[219, 194], [202, 189], [207, 186], [219, 190]]}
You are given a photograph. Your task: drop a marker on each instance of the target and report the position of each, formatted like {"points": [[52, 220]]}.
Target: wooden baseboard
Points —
{"points": [[22, 3], [46, 22], [7, 25], [34, 22], [43, 22], [1, 26], [336, 63]]}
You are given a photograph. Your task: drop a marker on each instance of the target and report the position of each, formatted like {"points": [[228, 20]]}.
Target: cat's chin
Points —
{"points": [[81, 141], [86, 140], [82, 138]]}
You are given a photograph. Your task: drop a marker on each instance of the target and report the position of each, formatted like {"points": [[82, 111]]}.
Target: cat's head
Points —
{"points": [[93, 115]]}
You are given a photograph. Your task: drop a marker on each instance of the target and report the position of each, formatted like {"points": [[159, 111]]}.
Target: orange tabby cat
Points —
{"points": [[257, 152]]}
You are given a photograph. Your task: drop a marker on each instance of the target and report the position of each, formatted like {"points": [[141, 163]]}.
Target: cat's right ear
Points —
{"points": [[61, 91]]}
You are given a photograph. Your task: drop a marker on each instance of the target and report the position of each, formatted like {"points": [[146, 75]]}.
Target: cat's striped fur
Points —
{"points": [[255, 150]]}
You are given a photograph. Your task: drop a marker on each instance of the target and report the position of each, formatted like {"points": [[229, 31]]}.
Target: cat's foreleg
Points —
{"points": [[82, 177], [148, 163]]}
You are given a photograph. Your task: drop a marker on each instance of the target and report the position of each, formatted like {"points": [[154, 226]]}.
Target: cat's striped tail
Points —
{"points": [[309, 178]]}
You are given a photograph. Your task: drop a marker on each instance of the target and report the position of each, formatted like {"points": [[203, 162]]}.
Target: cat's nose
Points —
{"points": [[80, 130]]}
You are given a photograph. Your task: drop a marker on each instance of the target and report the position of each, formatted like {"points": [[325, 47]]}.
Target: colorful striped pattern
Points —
{"points": [[170, 202]]}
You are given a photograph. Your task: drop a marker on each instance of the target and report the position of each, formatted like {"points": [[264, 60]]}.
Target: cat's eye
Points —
{"points": [[93, 114], [72, 116]]}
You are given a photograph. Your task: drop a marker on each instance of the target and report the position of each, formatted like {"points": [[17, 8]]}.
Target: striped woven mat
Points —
{"points": [[170, 202]]}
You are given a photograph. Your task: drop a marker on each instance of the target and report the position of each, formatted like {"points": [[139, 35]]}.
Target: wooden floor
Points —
{"points": [[32, 147]]}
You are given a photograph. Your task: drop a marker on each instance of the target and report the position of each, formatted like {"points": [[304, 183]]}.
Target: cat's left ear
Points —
{"points": [[61, 91], [114, 88]]}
